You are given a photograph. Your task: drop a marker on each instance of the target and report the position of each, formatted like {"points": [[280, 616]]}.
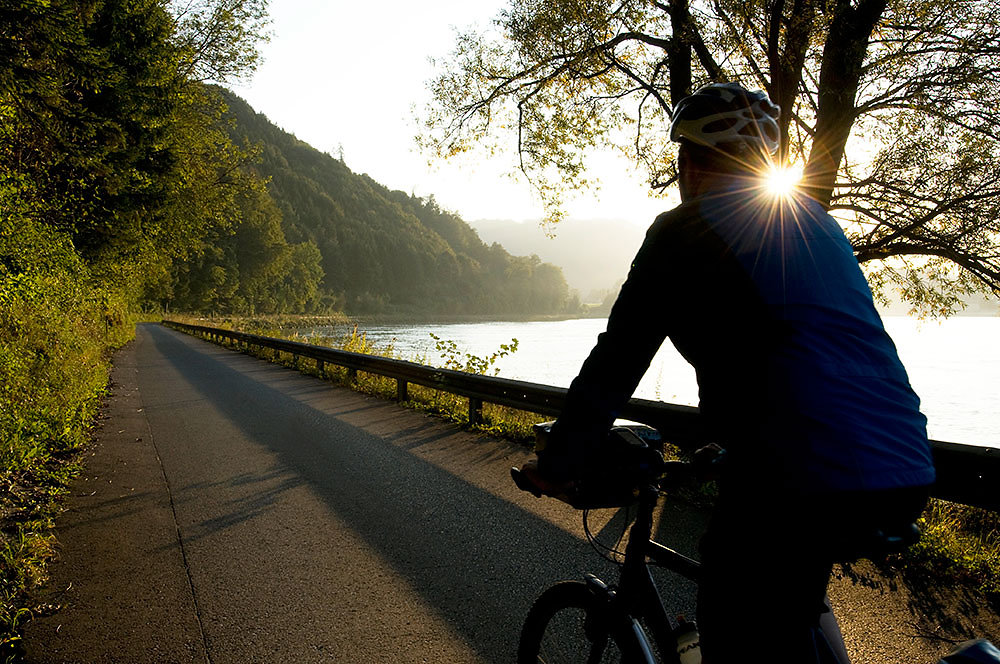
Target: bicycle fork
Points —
{"points": [[613, 617]]}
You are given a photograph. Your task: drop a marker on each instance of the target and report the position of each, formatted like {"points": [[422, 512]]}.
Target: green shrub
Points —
{"points": [[56, 327], [961, 543]]}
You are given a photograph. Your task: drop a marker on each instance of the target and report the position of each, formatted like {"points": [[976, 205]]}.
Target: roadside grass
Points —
{"points": [[55, 340], [497, 420], [960, 544]]}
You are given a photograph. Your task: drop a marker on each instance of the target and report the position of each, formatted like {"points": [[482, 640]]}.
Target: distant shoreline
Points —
{"points": [[416, 319], [302, 321]]}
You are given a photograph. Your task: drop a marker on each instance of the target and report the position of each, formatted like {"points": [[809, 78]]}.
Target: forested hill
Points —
{"points": [[385, 250]]}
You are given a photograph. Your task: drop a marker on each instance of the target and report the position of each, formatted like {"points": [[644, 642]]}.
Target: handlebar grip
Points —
{"points": [[524, 483]]}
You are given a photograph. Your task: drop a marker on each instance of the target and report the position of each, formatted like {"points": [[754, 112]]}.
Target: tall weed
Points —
{"points": [[56, 328], [497, 420], [959, 542]]}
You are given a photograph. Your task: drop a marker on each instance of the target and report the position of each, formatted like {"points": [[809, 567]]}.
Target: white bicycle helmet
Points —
{"points": [[729, 117]]}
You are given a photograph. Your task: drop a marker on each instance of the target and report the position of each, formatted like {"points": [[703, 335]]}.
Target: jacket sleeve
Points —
{"points": [[637, 326]]}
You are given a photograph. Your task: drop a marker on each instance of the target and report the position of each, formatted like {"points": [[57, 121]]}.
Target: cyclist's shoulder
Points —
{"points": [[683, 221], [683, 213]]}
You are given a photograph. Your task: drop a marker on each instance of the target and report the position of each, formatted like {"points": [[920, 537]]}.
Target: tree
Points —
{"points": [[218, 38], [891, 107], [86, 89], [105, 114]]}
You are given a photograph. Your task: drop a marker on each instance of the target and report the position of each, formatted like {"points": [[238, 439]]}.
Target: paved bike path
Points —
{"points": [[235, 511]]}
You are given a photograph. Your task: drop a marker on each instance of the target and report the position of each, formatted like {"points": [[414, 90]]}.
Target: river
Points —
{"points": [[954, 364]]}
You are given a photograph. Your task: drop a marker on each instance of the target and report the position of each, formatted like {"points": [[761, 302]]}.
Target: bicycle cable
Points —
{"points": [[610, 553]]}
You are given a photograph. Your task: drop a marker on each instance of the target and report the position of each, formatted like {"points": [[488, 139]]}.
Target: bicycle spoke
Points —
{"points": [[569, 638]]}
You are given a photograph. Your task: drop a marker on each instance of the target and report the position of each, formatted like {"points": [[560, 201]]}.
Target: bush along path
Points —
{"points": [[54, 359]]}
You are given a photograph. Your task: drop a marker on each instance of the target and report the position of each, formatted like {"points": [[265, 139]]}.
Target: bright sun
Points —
{"points": [[782, 181]]}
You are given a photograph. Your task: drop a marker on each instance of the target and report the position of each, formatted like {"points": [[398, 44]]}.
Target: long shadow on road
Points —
{"points": [[477, 560]]}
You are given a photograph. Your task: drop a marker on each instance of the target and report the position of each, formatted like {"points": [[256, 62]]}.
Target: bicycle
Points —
{"points": [[593, 621]]}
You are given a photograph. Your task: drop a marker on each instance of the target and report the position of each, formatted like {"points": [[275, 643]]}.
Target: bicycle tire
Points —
{"points": [[569, 623]]}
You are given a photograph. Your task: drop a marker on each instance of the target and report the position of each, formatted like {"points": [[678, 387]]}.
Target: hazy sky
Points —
{"points": [[342, 74]]}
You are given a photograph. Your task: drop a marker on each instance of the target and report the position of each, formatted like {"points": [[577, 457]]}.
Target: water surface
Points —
{"points": [[954, 365]]}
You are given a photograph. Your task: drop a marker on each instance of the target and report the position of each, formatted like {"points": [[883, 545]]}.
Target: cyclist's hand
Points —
{"points": [[533, 480], [595, 491], [608, 477]]}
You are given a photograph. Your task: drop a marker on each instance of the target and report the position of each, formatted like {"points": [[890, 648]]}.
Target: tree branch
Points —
{"points": [[987, 273]]}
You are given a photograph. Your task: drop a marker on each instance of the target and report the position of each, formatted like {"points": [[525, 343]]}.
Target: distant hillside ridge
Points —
{"points": [[594, 254], [388, 251]]}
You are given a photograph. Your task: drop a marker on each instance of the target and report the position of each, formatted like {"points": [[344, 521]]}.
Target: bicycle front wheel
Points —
{"points": [[570, 624]]}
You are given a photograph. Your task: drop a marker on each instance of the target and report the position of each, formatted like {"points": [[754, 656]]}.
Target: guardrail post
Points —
{"points": [[475, 411], [321, 368], [401, 390], [352, 375]]}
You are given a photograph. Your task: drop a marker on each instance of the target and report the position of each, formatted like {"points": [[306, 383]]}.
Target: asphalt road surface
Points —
{"points": [[236, 511], [232, 510]]}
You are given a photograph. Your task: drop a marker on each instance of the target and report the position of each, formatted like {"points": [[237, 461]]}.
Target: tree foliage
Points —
{"points": [[383, 250], [890, 106], [218, 38], [106, 117], [127, 152]]}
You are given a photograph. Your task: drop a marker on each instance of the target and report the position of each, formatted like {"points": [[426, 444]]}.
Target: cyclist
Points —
{"points": [[797, 379]]}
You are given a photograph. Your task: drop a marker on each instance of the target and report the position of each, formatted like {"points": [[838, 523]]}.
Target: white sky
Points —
{"points": [[347, 74]]}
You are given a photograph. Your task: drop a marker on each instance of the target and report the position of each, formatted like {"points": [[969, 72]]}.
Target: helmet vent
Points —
{"points": [[729, 117], [721, 124]]}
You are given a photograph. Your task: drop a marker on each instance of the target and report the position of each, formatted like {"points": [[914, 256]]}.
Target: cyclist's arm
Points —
{"points": [[637, 326]]}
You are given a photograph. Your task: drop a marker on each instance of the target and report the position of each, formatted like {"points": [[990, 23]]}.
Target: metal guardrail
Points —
{"points": [[967, 474]]}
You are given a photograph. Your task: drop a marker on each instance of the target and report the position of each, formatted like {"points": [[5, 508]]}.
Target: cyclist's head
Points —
{"points": [[724, 130], [728, 118]]}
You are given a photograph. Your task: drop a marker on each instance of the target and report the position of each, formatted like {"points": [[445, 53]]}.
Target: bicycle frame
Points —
{"points": [[637, 593]]}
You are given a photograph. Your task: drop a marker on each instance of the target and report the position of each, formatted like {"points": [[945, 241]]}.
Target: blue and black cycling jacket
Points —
{"points": [[797, 376]]}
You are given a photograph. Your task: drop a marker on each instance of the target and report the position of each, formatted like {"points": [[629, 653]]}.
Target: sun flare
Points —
{"points": [[781, 181]]}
